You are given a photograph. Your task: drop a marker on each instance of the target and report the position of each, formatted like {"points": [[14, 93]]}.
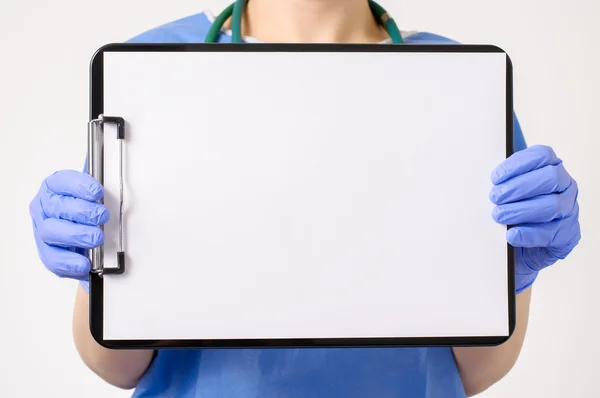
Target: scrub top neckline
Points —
{"points": [[249, 39]]}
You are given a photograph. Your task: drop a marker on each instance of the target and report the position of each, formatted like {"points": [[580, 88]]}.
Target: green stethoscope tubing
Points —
{"points": [[235, 10]]}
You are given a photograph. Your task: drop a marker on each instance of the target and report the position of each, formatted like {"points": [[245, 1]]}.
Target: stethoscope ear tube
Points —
{"points": [[236, 21], [215, 29]]}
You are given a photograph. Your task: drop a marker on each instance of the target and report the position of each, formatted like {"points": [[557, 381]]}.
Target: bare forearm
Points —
{"points": [[481, 367], [119, 368]]}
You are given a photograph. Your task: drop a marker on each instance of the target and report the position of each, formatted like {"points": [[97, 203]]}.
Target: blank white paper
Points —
{"points": [[306, 195]]}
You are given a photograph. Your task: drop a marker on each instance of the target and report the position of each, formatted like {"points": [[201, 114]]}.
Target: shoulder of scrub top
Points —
{"points": [[189, 29]]}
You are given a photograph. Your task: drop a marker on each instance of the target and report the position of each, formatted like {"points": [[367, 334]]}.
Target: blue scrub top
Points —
{"points": [[290, 373]]}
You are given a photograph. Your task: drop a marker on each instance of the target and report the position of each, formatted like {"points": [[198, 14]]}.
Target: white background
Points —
{"points": [[45, 52]]}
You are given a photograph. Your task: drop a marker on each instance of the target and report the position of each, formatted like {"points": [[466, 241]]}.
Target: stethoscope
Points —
{"points": [[235, 10]]}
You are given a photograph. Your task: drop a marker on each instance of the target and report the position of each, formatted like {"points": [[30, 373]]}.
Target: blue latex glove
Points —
{"points": [[535, 195], [65, 219]]}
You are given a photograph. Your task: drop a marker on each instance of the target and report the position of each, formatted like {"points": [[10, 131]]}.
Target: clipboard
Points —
{"points": [[300, 195]]}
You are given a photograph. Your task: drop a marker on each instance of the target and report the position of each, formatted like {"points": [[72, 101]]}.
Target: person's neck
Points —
{"points": [[311, 21]]}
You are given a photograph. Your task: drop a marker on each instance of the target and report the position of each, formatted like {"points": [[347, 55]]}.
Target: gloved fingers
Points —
{"points": [[532, 235], [76, 184], [569, 241], [62, 262], [73, 209], [535, 260], [558, 236], [547, 180], [55, 232], [35, 209], [540, 209], [567, 236], [542, 249], [524, 161]]}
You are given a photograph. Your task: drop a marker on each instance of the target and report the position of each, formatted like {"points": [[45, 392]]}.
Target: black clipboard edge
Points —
{"points": [[96, 282], [510, 150]]}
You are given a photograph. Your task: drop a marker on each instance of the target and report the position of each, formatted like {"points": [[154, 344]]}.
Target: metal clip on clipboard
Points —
{"points": [[96, 169]]}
